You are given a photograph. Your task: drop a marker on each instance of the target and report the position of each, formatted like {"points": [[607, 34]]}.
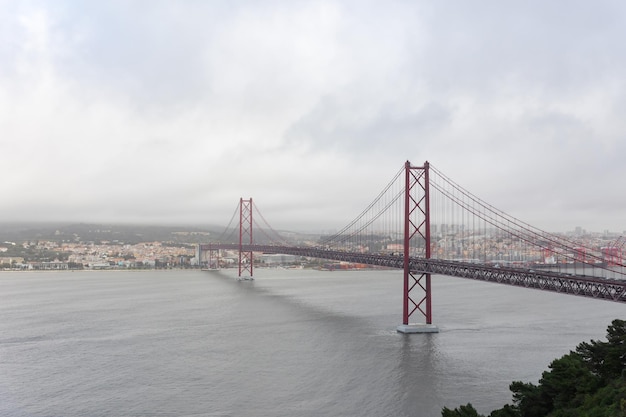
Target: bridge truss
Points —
{"points": [[460, 236]]}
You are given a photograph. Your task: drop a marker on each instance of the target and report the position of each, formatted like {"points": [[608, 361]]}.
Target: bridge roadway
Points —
{"points": [[581, 285]]}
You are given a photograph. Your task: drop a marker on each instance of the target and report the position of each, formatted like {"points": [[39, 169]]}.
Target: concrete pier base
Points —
{"points": [[418, 328]]}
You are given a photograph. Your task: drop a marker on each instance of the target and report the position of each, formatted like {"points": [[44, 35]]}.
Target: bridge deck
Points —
{"points": [[581, 285]]}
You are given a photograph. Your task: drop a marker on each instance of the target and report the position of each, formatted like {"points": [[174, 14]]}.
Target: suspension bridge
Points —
{"points": [[425, 224]]}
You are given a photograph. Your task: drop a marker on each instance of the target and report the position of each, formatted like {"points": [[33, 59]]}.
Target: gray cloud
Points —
{"points": [[354, 126], [170, 112]]}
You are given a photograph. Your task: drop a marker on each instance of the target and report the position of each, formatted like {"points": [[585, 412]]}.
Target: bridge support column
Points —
{"points": [[213, 261], [208, 256], [416, 224], [245, 238]]}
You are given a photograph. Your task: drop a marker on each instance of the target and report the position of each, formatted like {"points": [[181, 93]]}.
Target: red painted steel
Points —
{"points": [[245, 236], [427, 242], [418, 265], [564, 283], [407, 224], [416, 223]]}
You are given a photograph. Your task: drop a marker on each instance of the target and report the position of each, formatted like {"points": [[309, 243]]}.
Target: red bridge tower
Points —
{"points": [[417, 285], [245, 237]]}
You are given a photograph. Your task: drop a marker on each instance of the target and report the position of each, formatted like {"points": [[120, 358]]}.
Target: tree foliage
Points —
{"points": [[587, 382], [467, 410], [607, 360]]}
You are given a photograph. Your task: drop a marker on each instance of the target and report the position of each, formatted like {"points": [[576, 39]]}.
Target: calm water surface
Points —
{"points": [[290, 343]]}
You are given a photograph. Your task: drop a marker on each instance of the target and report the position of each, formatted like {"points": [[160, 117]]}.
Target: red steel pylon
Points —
{"points": [[417, 288], [245, 236]]}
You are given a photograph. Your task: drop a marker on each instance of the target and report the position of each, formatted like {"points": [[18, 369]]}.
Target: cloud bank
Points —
{"points": [[171, 111]]}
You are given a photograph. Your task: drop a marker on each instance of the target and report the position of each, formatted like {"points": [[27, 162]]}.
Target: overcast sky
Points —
{"points": [[170, 111]]}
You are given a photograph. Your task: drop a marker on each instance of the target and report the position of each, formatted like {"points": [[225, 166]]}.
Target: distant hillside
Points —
{"points": [[84, 232]]}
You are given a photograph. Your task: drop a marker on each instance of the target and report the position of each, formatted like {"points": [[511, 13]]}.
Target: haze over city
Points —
{"points": [[169, 112]]}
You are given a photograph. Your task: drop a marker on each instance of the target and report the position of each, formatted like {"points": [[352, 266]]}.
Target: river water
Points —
{"points": [[290, 343]]}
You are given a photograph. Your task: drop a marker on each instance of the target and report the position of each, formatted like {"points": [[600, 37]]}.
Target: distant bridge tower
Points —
{"points": [[417, 285], [245, 237]]}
